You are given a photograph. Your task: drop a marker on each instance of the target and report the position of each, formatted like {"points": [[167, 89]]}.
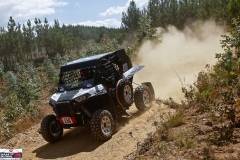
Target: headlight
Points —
{"points": [[81, 98]]}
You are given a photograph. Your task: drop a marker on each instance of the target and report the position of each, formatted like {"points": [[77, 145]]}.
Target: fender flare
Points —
{"points": [[132, 71]]}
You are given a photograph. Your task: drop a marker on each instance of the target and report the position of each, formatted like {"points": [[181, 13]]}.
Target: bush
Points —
{"points": [[28, 85], [59, 60], [11, 80], [1, 70], [13, 107], [51, 71], [216, 91], [22, 89]]}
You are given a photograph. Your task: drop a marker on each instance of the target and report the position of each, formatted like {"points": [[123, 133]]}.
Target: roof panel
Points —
{"points": [[83, 62], [87, 61]]}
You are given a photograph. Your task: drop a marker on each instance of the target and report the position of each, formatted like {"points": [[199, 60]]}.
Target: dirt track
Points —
{"points": [[77, 144]]}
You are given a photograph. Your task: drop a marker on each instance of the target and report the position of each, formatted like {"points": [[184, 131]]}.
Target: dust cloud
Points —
{"points": [[178, 57]]}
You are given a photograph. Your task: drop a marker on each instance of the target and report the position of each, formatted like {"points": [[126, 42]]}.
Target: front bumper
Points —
{"points": [[64, 109]]}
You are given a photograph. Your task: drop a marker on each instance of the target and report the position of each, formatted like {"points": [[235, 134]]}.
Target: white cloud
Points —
{"points": [[25, 9], [116, 10], [140, 3], [107, 23], [113, 11]]}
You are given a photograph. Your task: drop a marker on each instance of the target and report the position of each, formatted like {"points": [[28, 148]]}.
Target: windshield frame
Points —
{"points": [[83, 82]]}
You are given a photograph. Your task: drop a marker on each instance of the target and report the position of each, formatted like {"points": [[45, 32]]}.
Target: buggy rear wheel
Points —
{"points": [[51, 129], [142, 97], [124, 93], [102, 125], [151, 89]]}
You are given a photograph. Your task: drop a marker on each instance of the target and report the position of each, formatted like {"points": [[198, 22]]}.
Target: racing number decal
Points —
{"points": [[67, 120]]}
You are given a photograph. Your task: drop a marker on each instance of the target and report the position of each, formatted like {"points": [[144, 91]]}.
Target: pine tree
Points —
{"points": [[233, 8], [130, 19], [145, 29], [154, 8]]}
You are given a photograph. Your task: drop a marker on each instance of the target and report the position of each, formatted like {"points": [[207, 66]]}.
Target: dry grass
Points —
{"points": [[175, 120], [184, 140]]}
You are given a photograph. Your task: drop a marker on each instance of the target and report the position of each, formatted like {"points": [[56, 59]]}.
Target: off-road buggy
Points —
{"points": [[94, 92]]}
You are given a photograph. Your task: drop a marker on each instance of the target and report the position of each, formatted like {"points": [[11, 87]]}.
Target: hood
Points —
{"points": [[71, 95]]}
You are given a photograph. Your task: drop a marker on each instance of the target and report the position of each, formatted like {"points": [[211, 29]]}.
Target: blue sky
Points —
{"points": [[86, 12]]}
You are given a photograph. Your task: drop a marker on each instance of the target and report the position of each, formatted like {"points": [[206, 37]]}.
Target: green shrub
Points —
{"points": [[1, 70], [22, 90], [51, 71], [13, 107], [216, 91], [220, 86], [59, 60], [11, 80], [27, 91]]}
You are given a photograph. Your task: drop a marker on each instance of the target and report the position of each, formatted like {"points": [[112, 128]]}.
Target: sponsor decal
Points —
{"points": [[10, 154], [68, 120]]}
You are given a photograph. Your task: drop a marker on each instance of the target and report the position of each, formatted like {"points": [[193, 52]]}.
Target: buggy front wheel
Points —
{"points": [[102, 125], [51, 129]]}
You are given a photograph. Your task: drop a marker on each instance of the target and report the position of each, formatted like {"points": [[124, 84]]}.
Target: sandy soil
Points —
{"points": [[78, 144]]}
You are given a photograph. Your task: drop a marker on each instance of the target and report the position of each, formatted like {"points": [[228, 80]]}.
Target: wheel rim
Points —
{"points": [[55, 128], [127, 94], [146, 98], [106, 126]]}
